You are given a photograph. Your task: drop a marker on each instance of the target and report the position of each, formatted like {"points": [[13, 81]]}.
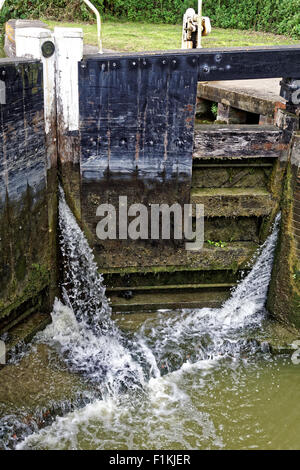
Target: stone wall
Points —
{"points": [[284, 292]]}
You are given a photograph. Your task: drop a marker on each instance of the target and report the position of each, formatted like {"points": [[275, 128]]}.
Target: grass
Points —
{"points": [[137, 37]]}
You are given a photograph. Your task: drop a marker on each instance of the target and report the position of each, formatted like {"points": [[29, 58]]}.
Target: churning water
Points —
{"points": [[180, 381], [90, 342]]}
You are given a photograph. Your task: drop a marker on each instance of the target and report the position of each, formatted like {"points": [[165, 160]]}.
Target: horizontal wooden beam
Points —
{"points": [[16, 60], [239, 141], [223, 64]]}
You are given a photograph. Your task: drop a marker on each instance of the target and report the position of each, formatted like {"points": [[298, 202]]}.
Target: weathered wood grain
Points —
{"points": [[218, 141], [233, 63], [137, 115], [136, 140], [24, 235]]}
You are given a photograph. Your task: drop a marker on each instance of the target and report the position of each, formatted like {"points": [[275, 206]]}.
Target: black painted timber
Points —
{"points": [[23, 190], [137, 115], [136, 131], [231, 63]]}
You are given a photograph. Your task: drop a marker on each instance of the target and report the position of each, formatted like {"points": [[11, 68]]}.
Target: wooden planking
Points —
{"points": [[137, 114], [22, 129], [237, 141], [234, 63], [153, 301], [136, 140], [24, 230]]}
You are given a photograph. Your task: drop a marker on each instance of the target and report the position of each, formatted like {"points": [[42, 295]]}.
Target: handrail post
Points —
{"points": [[199, 32], [94, 9]]}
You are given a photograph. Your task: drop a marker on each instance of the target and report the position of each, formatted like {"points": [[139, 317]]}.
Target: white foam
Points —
{"points": [[180, 344]]}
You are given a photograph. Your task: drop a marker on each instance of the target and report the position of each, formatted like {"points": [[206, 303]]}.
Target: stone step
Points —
{"points": [[232, 229], [163, 288], [232, 257], [258, 96], [233, 202], [168, 276], [231, 176], [237, 141], [152, 300], [18, 334]]}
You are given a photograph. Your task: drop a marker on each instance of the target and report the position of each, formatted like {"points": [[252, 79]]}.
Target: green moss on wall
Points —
{"points": [[284, 292]]}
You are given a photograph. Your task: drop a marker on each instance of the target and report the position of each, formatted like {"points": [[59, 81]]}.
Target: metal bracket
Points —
{"points": [[290, 90], [2, 352], [2, 92]]}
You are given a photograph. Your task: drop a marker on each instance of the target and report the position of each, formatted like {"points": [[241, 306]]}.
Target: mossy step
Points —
{"points": [[176, 287], [153, 301], [233, 256], [237, 141], [153, 279], [233, 202], [220, 176], [232, 229], [24, 331]]}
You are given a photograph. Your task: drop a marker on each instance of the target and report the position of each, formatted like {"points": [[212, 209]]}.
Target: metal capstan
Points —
{"points": [[194, 27]]}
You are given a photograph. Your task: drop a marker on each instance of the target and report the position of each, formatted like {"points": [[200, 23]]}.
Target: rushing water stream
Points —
{"points": [[182, 380]]}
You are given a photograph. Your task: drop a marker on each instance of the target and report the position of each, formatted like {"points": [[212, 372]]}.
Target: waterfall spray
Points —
{"points": [[93, 345], [152, 361]]}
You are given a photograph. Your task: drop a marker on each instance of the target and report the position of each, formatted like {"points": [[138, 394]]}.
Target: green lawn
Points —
{"points": [[147, 37]]}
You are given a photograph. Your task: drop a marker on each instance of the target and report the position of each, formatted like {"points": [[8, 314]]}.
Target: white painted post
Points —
{"points": [[29, 43], [61, 98], [199, 32], [69, 51]]}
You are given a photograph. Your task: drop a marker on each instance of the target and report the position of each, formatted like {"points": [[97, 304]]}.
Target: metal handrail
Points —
{"points": [[94, 9], [199, 24]]}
